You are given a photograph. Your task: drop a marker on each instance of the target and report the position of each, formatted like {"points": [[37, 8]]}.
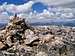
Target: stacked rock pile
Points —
{"points": [[20, 39], [13, 36]]}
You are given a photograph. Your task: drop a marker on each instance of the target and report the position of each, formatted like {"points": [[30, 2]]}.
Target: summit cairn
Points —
{"points": [[14, 32], [18, 23]]}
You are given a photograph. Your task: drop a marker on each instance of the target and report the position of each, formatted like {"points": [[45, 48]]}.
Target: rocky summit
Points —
{"points": [[20, 39]]}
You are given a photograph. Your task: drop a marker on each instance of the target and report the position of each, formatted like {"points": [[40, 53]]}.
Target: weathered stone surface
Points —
{"points": [[1, 45], [41, 54], [46, 38], [25, 48], [29, 32], [30, 39], [8, 41]]}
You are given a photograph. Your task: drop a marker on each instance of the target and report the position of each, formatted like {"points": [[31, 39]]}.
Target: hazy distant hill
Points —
{"points": [[60, 23], [47, 22]]}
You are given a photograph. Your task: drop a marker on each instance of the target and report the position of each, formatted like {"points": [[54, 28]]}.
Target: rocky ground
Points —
{"points": [[19, 39]]}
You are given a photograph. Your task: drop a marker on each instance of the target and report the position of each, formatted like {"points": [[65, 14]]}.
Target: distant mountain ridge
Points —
{"points": [[65, 23], [58, 23]]}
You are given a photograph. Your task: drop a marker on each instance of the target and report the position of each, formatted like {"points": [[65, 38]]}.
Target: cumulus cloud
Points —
{"points": [[11, 8], [24, 10], [4, 17], [59, 13], [55, 2]]}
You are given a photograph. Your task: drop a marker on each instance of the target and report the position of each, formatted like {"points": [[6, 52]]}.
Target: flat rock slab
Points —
{"points": [[31, 39]]}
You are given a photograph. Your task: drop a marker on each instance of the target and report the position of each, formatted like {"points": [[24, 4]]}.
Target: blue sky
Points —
{"points": [[18, 2], [39, 7]]}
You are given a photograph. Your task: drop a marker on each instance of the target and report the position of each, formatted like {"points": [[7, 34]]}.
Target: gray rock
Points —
{"points": [[29, 32], [30, 39], [41, 54], [8, 41]]}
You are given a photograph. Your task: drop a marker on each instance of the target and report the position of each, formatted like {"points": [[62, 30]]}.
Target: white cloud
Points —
{"points": [[21, 8], [67, 15], [11, 8], [50, 14], [55, 2], [4, 17], [24, 10], [1, 9]]}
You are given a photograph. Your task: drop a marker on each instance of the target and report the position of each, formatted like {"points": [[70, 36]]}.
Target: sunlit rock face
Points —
{"points": [[20, 39]]}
